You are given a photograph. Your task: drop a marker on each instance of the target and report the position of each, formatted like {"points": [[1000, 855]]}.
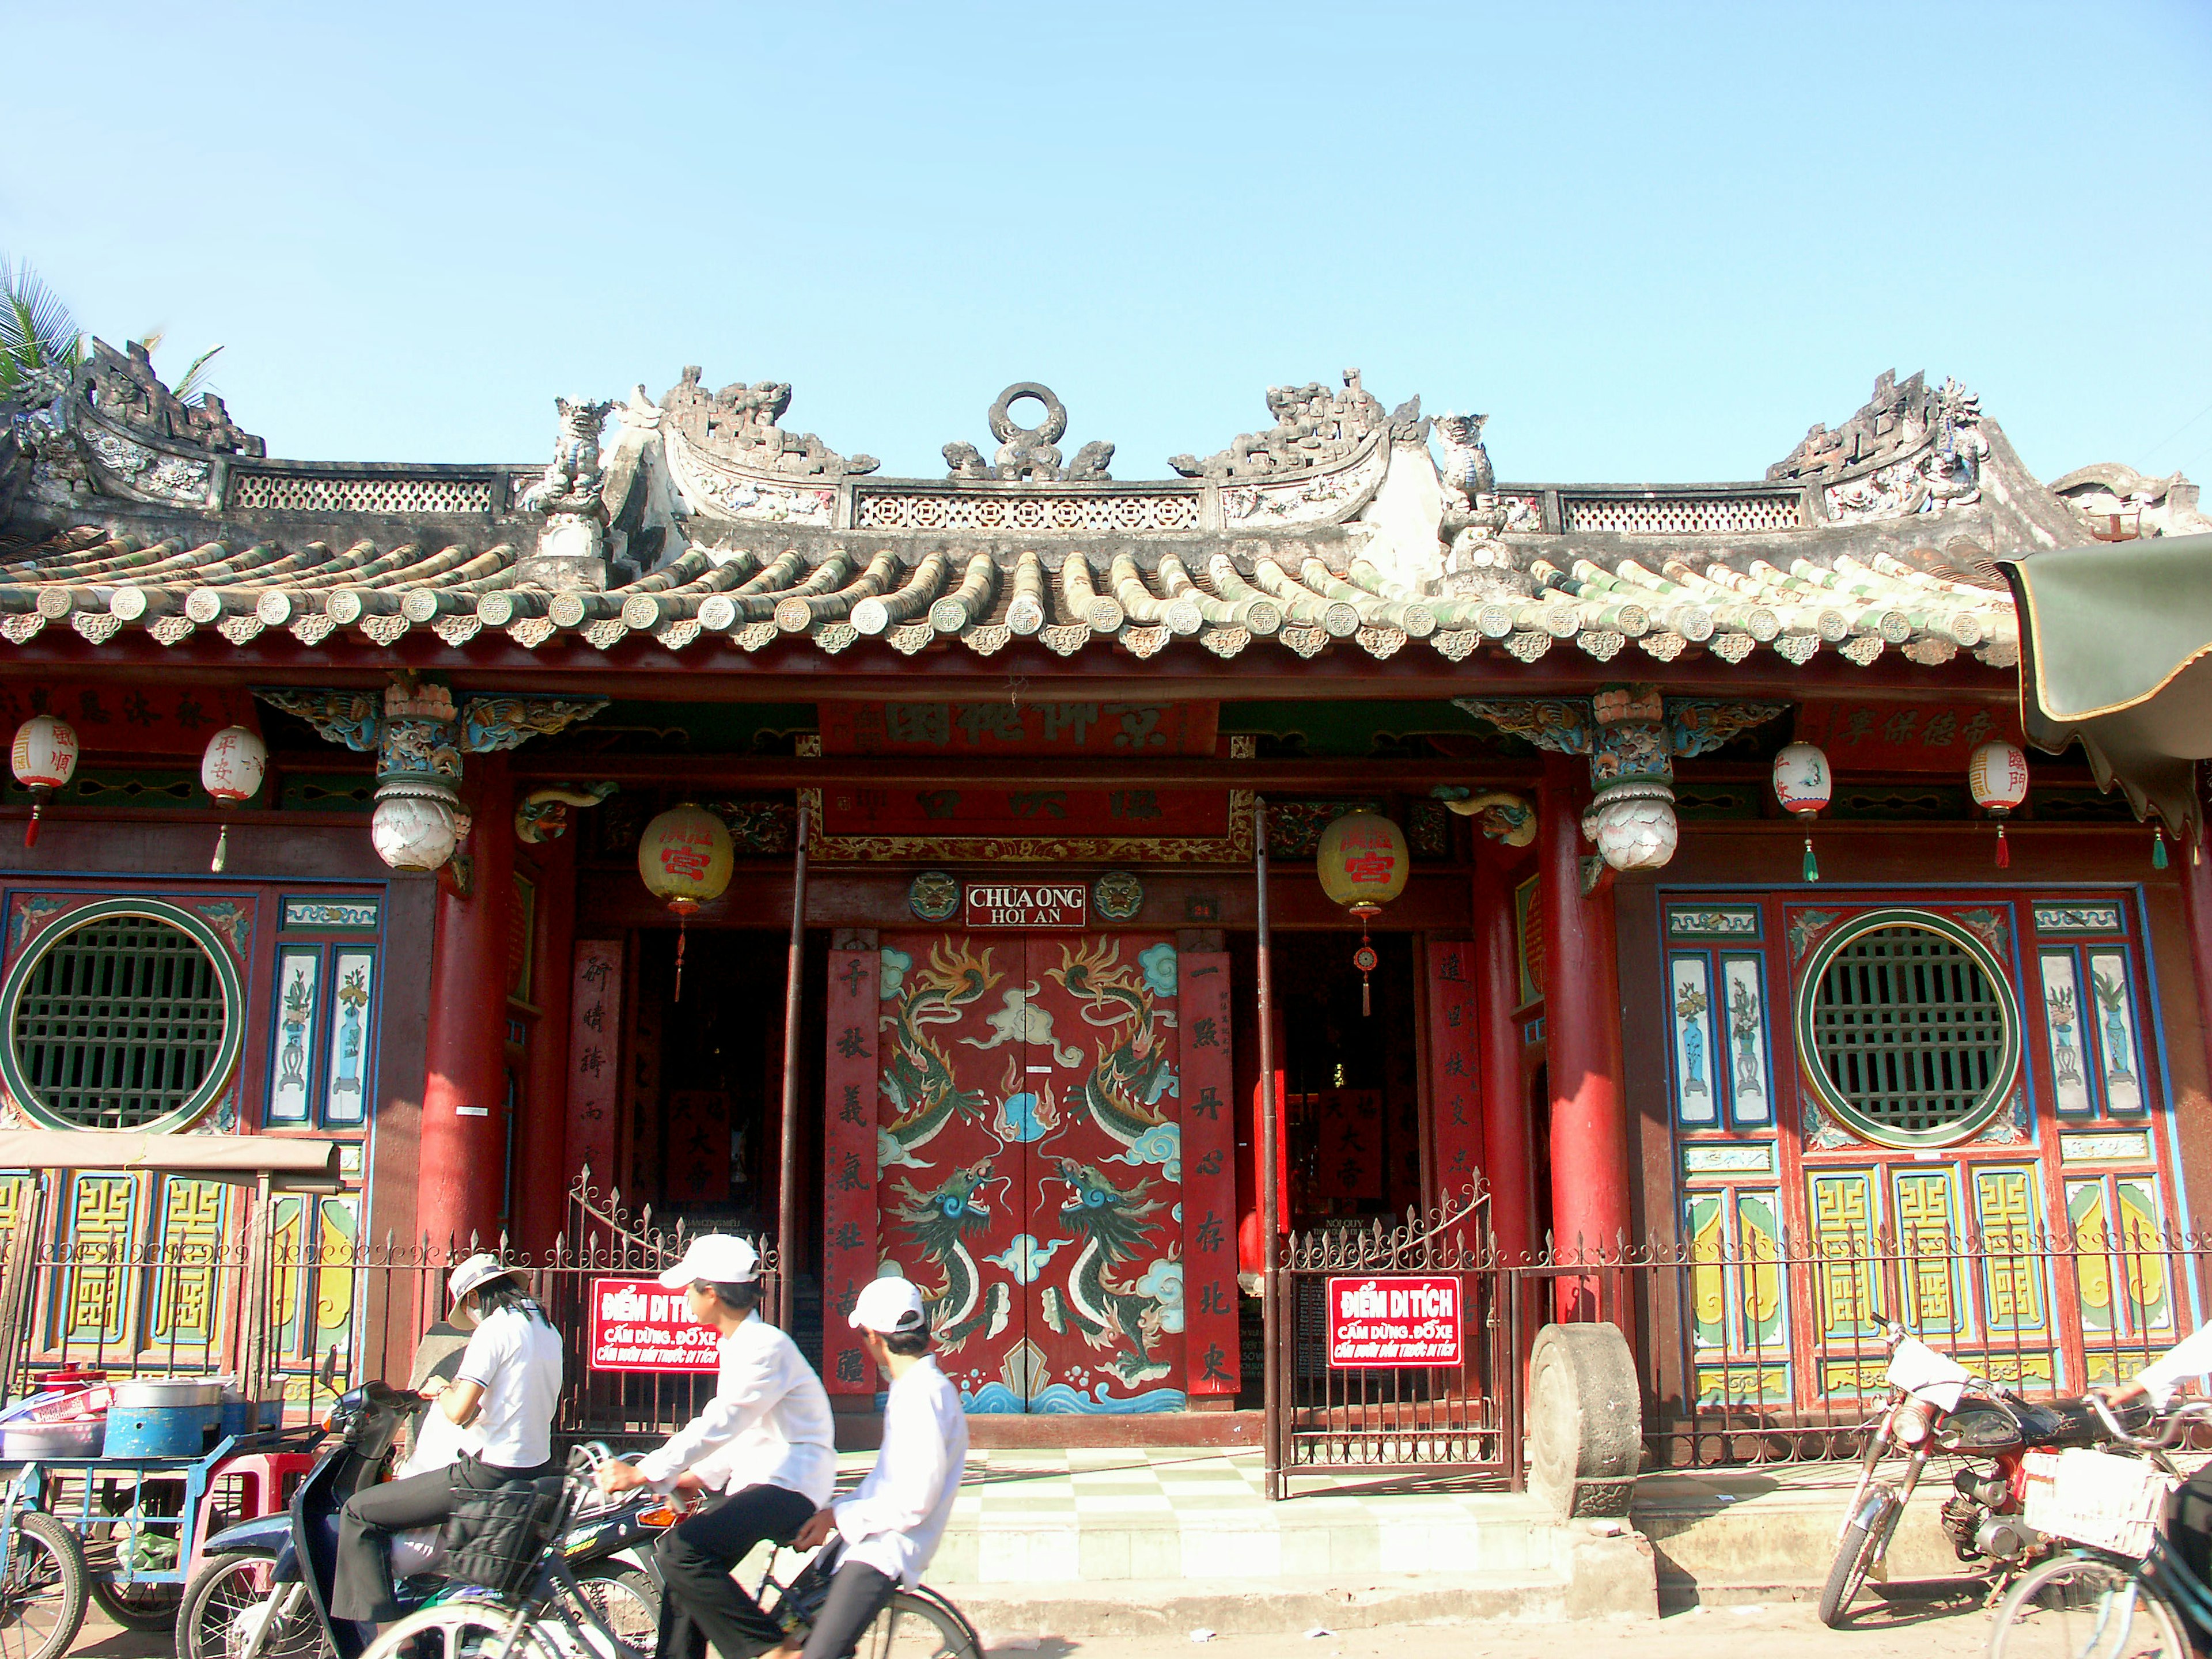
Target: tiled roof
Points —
{"points": [[1296, 596]]}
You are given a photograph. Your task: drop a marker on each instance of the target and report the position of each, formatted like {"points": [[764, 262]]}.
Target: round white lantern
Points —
{"points": [[44, 757], [1804, 786], [1997, 777], [413, 832], [231, 771]]}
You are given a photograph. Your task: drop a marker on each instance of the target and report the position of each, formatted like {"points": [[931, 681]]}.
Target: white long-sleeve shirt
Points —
{"points": [[894, 1519], [2191, 1357], [769, 1414]]}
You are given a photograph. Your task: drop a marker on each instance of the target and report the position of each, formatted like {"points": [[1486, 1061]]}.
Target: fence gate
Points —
{"points": [[603, 1240], [1396, 1349]]}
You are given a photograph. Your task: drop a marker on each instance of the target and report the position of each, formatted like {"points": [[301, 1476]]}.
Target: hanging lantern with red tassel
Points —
{"points": [[684, 858], [1803, 784], [1363, 863], [231, 771], [1996, 775], [44, 759]]}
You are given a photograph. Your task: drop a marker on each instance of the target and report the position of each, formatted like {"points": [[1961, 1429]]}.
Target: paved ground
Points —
{"points": [[1954, 1629]]}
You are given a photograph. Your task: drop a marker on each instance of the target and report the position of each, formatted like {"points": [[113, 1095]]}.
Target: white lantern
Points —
{"points": [[44, 759], [1804, 785], [231, 771], [413, 832], [1996, 776]]}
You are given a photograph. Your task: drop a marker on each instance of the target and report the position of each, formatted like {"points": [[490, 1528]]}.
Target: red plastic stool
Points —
{"points": [[267, 1479]]}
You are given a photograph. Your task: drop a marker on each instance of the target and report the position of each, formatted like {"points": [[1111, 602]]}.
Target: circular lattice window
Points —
{"points": [[123, 1015], [1907, 1029]]}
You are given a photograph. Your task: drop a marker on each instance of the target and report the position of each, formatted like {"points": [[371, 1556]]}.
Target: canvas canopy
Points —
{"points": [[2116, 649], [292, 1165]]}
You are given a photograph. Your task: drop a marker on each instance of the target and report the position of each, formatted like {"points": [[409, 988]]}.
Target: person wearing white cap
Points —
{"points": [[891, 1525], [507, 1387], [766, 1436]]}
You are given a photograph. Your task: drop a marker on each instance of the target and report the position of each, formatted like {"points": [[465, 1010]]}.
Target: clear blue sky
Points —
{"points": [[1650, 241]]}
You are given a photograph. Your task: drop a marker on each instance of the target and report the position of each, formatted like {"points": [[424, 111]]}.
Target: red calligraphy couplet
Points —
{"points": [[848, 1166], [1455, 1077], [1209, 1176], [594, 1060]]}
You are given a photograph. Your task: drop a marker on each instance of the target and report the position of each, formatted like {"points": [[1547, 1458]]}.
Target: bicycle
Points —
{"points": [[2119, 1593], [527, 1604]]}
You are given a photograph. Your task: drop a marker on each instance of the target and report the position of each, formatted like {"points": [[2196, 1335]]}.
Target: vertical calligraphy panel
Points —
{"points": [[594, 1059], [1454, 1076], [848, 1165], [1209, 1177]]}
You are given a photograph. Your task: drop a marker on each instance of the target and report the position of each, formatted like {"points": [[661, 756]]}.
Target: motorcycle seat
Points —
{"points": [[2061, 1424]]}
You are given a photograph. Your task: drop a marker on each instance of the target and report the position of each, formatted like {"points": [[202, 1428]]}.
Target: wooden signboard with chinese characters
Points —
{"points": [[1455, 1073], [594, 1060], [1209, 1175], [964, 729], [848, 1165], [137, 717], [1917, 736]]}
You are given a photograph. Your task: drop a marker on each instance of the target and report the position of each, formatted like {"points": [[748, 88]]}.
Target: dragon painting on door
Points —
{"points": [[1030, 1164]]}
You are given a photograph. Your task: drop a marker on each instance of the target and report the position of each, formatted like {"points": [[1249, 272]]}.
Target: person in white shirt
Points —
{"points": [[891, 1525], [506, 1389], [2189, 1511], [765, 1439]]}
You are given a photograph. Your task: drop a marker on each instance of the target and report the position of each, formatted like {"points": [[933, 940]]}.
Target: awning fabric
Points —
{"points": [[292, 1165], [2116, 649]]}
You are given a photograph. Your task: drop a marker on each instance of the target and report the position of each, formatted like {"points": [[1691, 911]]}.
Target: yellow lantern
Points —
{"points": [[684, 858], [1362, 864]]}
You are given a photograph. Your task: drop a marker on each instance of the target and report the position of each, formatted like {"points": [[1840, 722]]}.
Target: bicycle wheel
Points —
{"points": [[462, 1630], [224, 1604], [917, 1627], [1855, 1552], [43, 1595], [140, 1607], [2083, 1606], [628, 1603]]}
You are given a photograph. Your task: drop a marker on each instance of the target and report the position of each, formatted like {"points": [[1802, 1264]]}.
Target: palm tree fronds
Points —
{"points": [[37, 332], [194, 385]]}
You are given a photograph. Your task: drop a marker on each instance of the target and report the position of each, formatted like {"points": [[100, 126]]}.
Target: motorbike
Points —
{"points": [[264, 1590], [1937, 1406]]}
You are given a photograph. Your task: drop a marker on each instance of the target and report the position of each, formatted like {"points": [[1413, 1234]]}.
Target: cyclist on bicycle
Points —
{"points": [[890, 1526], [770, 1421], [2189, 1516]]}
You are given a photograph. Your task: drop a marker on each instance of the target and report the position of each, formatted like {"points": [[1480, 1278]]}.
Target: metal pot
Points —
{"points": [[168, 1392]]}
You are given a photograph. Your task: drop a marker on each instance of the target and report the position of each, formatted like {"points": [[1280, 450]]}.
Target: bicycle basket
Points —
{"points": [[2092, 1497], [495, 1539]]}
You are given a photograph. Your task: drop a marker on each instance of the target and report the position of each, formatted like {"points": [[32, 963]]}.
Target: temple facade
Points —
{"points": [[1015, 737]]}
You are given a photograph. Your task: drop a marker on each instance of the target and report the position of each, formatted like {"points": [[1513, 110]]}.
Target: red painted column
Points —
{"points": [[1582, 1019], [539, 1191], [464, 1150], [1505, 1106], [2197, 882]]}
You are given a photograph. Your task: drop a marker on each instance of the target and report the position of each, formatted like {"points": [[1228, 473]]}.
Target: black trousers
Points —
{"points": [[2189, 1525], [363, 1586], [696, 1558], [857, 1594]]}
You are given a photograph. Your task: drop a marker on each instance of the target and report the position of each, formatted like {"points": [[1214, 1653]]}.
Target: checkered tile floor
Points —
{"points": [[1189, 1513]]}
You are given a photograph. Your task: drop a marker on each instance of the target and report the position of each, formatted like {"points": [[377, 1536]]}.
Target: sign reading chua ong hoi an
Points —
{"points": [[1027, 904]]}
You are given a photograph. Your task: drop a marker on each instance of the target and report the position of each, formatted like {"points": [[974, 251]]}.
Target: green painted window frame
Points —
{"points": [[1813, 1070], [220, 1073]]}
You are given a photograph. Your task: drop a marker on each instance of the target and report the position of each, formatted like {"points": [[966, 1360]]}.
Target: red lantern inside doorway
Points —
{"points": [[684, 858], [1363, 863]]}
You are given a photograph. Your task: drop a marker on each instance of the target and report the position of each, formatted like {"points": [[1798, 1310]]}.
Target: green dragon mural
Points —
{"points": [[1135, 1069], [1111, 1222], [940, 1222], [918, 1083]]}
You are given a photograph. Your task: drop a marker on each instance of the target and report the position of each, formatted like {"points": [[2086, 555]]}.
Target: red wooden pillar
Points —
{"points": [[540, 1189], [1505, 1107], [1581, 1018], [464, 1149]]}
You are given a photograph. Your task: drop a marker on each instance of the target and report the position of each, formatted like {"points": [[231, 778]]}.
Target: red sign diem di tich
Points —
{"points": [[1394, 1320], [636, 1326]]}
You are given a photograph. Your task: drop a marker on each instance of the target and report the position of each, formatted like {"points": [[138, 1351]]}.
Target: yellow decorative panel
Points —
{"points": [[1843, 1238], [103, 1212], [1926, 1228], [186, 1287], [1742, 1384], [2008, 1213]]}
